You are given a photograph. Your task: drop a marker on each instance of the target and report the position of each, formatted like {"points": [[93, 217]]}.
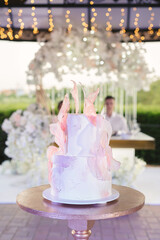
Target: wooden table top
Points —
{"points": [[32, 201], [138, 141]]}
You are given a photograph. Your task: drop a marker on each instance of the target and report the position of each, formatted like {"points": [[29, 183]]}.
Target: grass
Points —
{"points": [[8, 104], [13, 103], [141, 108]]}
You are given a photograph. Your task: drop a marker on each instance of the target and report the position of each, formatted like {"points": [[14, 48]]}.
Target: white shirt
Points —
{"points": [[118, 122]]}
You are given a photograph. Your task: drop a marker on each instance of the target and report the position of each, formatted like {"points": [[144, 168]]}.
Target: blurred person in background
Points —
{"points": [[118, 122]]}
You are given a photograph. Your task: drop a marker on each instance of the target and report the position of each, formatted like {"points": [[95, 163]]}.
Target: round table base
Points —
{"points": [[81, 218], [83, 235], [82, 228]]}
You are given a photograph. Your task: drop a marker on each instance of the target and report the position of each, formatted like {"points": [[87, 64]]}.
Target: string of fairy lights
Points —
{"points": [[50, 17], [8, 33], [93, 18], [83, 22], [150, 27], [9, 23], [35, 22], [136, 35], [6, 2], [108, 20], [20, 20], [122, 22], [68, 20]]}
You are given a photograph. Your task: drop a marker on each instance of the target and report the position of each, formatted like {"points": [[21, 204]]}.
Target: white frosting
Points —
{"points": [[84, 172], [73, 180], [81, 135]]}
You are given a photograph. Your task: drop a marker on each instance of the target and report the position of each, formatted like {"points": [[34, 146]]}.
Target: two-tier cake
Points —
{"points": [[80, 166]]}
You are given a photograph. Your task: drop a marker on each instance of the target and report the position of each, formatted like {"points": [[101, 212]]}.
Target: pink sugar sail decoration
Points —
{"points": [[105, 139], [89, 109], [50, 165], [58, 129], [50, 151], [74, 93], [62, 116], [60, 135], [103, 162]]}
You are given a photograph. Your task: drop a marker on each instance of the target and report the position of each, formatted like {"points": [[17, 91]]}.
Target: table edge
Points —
{"points": [[80, 217]]}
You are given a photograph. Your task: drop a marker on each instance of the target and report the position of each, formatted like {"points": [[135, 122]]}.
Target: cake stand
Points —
{"points": [[80, 218]]}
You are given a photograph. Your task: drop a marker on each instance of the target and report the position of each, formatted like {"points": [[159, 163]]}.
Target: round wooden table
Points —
{"points": [[80, 217]]}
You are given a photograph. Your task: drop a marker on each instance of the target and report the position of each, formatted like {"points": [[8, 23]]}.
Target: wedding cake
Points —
{"points": [[80, 164]]}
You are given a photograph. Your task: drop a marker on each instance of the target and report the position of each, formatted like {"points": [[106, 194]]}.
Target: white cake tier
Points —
{"points": [[82, 135], [78, 178]]}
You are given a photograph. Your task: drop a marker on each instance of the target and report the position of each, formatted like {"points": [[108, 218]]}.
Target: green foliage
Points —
{"points": [[3, 138], [152, 109], [149, 120], [148, 117], [151, 156], [151, 97], [12, 103]]}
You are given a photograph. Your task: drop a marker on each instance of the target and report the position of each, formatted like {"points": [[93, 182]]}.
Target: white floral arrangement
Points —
{"points": [[28, 138], [128, 171], [94, 54]]}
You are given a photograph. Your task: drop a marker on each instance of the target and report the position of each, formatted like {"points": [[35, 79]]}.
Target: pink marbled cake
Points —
{"points": [[84, 172], [80, 167]]}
